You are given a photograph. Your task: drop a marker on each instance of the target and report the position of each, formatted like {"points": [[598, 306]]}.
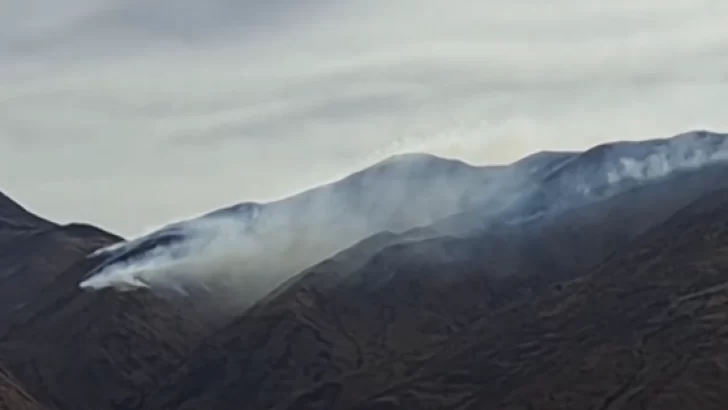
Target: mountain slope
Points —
{"points": [[249, 249], [14, 216], [305, 228], [556, 261], [385, 302], [13, 396], [646, 330], [34, 259], [72, 350]]}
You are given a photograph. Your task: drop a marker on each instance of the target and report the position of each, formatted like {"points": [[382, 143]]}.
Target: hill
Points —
{"points": [[13, 396], [575, 280], [645, 330], [368, 318], [247, 250], [69, 349]]}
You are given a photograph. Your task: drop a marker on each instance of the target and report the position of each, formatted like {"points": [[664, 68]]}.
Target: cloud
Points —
{"points": [[128, 114]]}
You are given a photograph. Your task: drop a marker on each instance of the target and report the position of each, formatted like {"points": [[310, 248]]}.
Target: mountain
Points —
{"points": [[388, 303], [14, 217], [564, 280], [23, 234], [644, 330], [73, 350], [274, 241], [13, 396]]}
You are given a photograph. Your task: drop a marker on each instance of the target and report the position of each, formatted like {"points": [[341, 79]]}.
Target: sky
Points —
{"points": [[128, 114]]}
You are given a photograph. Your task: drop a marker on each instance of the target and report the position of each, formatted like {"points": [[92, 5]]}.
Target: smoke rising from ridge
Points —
{"points": [[254, 247], [127, 114], [247, 250]]}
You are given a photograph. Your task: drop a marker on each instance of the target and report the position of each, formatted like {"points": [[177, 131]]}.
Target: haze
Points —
{"points": [[129, 113]]}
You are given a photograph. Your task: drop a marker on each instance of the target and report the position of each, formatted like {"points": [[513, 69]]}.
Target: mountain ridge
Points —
{"points": [[75, 351], [333, 306], [461, 314], [397, 194]]}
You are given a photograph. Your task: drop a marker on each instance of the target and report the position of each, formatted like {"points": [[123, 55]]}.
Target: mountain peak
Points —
{"points": [[7, 203], [14, 215]]}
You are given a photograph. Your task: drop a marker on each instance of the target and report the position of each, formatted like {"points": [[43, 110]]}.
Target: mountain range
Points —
{"points": [[567, 280], [257, 246]]}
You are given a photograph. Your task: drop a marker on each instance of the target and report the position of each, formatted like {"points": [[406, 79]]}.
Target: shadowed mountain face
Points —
{"points": [[366, 320], [274, 241], [13, 396], [602, 285], [34, 252], [71, 350], [645, 330], [36, 258], [15, 217]]}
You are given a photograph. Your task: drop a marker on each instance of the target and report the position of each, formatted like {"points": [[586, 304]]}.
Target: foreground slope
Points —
{"points": [[13, 396], [68, 349], [648, 329], [367, 318]]}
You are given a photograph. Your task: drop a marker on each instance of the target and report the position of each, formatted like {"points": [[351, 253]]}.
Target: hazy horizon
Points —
{"points": [[129, 114]]}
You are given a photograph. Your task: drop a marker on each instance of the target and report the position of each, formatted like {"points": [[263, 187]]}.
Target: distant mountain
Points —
{"points": [[366, 316], [645, 330], [566, 280], [607, 169], [276, 240]]}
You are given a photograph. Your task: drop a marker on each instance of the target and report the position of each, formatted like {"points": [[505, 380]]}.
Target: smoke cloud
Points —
{"points": [[245, 251], [251, 248]]}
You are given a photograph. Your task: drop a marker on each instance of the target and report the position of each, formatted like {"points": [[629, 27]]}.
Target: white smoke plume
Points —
{"points": [[254, 247], [249, 249]]}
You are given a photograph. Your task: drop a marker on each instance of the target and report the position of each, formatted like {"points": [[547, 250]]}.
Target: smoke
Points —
{"points": [[626, 163], [676, 154], [241, 253], [245, 251], [179, 255]]}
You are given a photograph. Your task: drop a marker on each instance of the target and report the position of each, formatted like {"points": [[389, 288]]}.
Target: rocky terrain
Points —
{"points": [[618, 303]]}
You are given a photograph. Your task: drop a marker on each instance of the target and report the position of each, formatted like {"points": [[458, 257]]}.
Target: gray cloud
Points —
{"points": [[128, 114]]}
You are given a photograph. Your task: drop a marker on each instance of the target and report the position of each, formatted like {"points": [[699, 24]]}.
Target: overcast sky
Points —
{"points": [[131, 113]]}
